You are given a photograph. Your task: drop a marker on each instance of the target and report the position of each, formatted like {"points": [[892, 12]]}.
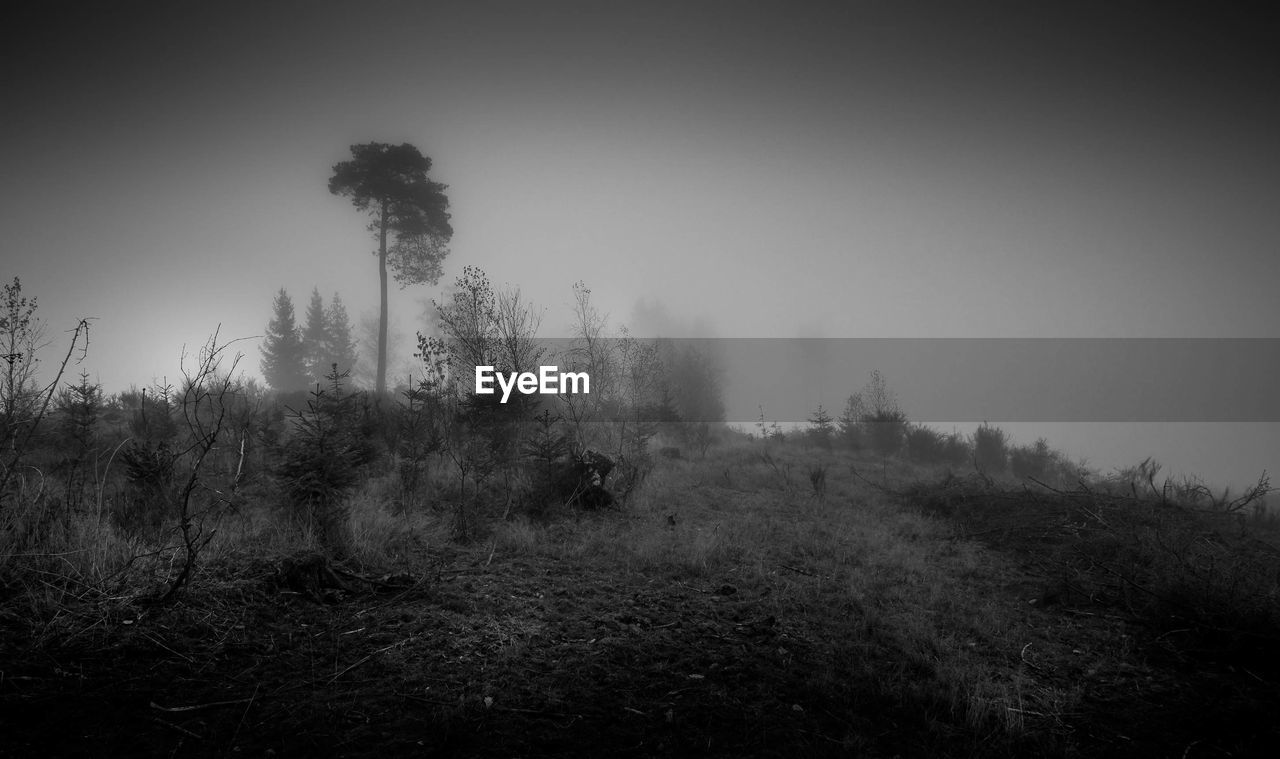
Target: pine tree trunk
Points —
{"points": [[382, 318]]}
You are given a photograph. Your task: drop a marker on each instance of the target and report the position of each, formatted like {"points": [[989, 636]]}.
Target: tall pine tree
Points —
{"points": [[409, 219], [315, 340], [283, 359]]}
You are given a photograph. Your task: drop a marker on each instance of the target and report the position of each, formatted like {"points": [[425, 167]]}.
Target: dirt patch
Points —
{"points": [[530, 656]]}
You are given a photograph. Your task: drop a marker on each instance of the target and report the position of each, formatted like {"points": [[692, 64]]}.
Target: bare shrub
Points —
{"points": [[926, 445], [1036, 461], [990, 449], [206, 494], [886, 431]]}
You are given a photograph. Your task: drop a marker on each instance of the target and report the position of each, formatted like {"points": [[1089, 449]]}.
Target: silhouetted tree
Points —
{"points": [[822, 427], [663, 409], [322, 461], [468, 325], [1032, 461], [77, 409], [315, 340], [926, 445], [409, 218], [850, 422], [696, 373], [341, 346], [21, 337], [885, 422], [990, 449], [283, 358]]}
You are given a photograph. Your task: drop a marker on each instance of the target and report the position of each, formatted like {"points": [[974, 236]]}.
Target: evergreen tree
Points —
{"points": [[822, 427], [849, 423], [664, 409], [315, 340], [78, 409], [341, 346], [283, 359], [696, 372], [410, 219]]}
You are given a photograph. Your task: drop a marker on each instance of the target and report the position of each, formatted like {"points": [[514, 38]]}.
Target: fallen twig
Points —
{"points": [[495, 707], [179, 728], [1029, 663], [364, 659], [244, 714], [209, 705]]}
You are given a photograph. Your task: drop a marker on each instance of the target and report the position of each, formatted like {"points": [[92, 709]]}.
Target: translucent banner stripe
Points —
{"points": [[958, 380]]}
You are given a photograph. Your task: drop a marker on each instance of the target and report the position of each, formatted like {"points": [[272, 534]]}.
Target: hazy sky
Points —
{"points": [[854, 169]]}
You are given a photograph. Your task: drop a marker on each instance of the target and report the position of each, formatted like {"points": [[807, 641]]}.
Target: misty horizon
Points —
{"points": [[741, 171]]}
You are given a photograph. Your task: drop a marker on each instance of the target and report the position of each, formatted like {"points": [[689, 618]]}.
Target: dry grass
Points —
{"points": [[850, 567], [901, 611]]}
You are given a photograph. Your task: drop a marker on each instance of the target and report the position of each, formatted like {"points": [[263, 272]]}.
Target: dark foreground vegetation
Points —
{"points": [[209, 569], [730, 607]]}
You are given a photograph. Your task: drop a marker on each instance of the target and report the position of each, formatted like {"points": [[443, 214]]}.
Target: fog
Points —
{"points": [[724, 170]]}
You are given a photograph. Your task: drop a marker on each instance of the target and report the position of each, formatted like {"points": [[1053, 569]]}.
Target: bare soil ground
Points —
{"points": [[526, 657]]}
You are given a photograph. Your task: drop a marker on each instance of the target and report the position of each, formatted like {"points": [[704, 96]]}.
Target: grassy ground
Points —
{"points": [[737, 605]]}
